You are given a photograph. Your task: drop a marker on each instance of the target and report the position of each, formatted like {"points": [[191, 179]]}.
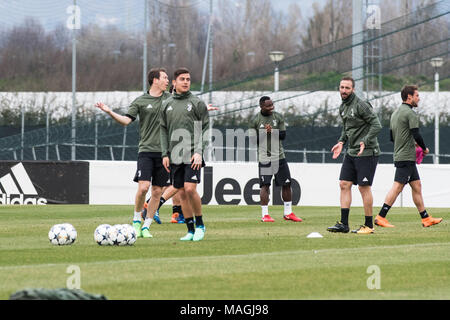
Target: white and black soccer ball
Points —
{"points": [[117, 235], [130, 233], [101, 235], [62, 234]]}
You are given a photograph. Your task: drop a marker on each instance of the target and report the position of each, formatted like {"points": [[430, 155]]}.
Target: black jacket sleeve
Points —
{"points": [[418, 138]]}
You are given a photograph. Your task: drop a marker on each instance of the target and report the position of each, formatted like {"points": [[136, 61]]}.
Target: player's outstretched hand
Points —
{"points": [[337, 149], [102, 106], [211, 108]]}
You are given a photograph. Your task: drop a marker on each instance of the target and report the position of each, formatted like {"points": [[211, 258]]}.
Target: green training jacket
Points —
{"points": [[148, 109], [184, 121], [360, 123]]}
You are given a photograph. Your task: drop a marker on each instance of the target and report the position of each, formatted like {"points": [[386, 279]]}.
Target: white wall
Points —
{"points": [[304, 101], [111, 183]]}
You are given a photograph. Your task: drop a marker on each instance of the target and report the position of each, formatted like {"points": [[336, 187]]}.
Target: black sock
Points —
{"points": [[424, 214], [344, 215], [176, 209], [384, 210], [190, 225], [368, 221], [198, 221], [161, 202]]}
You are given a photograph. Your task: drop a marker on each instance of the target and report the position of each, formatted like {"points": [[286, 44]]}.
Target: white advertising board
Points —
{"points": [[317, 184]]}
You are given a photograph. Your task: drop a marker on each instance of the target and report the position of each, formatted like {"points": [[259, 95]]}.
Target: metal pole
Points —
{"points": [[210, 42], [276, 76], [96, 136], [206, 55], [22, 132], [74, 79], [211, 53], [436, 119], [144, 54], [124, 141], [47, 133], [357, 50]]}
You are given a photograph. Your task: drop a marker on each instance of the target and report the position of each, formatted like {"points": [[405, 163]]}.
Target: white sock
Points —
{"points": [[265, 210], [137, 216], [147, 223], [287, 208]]}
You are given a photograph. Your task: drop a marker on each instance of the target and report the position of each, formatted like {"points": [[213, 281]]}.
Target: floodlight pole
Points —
{"points": [[436, 63], [357, 47], [276, 85], [436, 118], [144, 53], [74, 84], [276, 57]]}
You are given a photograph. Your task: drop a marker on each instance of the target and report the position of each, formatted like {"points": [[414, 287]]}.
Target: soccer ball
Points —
{"points": [[130, 233], [117, 235], [101, 235], [62, 234]]}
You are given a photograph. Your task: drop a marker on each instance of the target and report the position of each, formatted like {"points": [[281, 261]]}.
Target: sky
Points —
{"points": [[103, 12], [305, 5]]}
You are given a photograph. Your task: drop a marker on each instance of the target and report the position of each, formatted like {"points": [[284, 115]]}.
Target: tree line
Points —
{"points": [[108, 58]]}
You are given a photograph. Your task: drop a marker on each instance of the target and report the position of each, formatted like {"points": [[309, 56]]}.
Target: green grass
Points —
{"points": [[240, 257]]}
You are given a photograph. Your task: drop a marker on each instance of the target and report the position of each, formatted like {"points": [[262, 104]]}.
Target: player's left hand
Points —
{"points": [[362, 146], [196, 161], [166, 163], [211, 108]]}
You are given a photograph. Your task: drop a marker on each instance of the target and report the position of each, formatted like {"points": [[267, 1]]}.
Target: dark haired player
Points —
{"points": [[405, 134], [268, 127], [147, 108], [360, 129], [185, 117]]}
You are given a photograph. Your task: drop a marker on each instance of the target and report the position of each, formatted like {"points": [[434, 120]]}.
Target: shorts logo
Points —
{"points": [[365, 180], [194, 178], [139, 173]]}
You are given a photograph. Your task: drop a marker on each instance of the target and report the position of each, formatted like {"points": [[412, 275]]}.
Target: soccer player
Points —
{"points": [[184, 120], [147, 108], [266, 127], [170, 191], [404, 128], [360, 129]]}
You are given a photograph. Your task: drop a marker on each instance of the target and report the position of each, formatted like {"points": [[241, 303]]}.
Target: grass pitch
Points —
{"points": [[240, 257]]}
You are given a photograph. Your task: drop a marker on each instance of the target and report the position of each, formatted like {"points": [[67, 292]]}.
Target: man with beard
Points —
{"points": [[405, 134], [360, 129]]}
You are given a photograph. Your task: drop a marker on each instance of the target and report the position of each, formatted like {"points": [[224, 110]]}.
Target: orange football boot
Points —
{"points": [[429, 221], [382, 222]]}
